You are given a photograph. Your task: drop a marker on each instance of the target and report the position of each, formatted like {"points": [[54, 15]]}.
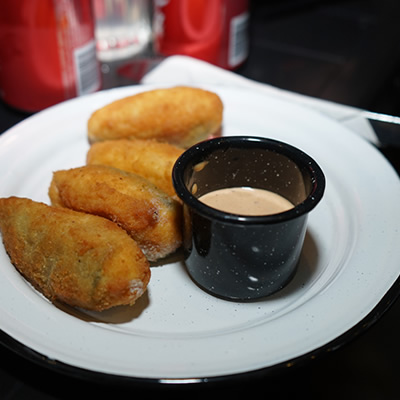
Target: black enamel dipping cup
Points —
{"points": [[239, 257]]}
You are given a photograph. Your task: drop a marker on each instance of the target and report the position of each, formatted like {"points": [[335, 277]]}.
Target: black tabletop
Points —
{"points": [[344, 51]]}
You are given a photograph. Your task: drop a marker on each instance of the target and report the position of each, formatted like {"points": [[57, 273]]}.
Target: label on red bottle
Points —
{"points": [[238, 41], [77, 51], [86, 67]]}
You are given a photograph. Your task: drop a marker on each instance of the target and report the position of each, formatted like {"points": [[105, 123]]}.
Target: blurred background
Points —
{"points": [[344, 51], [347, 51]]}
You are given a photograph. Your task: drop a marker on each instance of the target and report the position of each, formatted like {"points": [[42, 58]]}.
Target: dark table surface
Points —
{"points": [[344, 51]]}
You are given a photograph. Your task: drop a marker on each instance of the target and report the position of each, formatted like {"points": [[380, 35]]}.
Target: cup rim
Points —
{"points": [[199, 151]]}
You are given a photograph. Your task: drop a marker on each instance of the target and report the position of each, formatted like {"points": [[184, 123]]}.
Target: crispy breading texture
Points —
{"points": [[151, 217], [179, 115], [151, 159], [80, 259]]}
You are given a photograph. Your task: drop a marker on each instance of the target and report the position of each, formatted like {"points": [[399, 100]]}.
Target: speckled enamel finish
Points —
{"points": [[245, 257]]}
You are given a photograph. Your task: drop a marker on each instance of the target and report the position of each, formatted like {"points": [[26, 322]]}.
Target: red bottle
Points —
{"points": [[211, 30], [47, 52]]}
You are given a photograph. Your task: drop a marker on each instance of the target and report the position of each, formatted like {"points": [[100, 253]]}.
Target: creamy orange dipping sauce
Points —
{"points": [[246, 201]]}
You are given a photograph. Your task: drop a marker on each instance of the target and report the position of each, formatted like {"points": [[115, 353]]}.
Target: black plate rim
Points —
{"points": [[97, 377]]}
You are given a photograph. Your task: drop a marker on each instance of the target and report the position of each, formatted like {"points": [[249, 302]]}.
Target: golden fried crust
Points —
{"points": [[151, 159], [80, 259], [180, 115], [151, 217]]}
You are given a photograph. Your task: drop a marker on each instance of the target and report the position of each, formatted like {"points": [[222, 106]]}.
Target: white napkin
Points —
{"points": [[183, 70]]}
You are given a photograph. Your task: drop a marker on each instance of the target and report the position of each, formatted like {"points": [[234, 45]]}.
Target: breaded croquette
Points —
{"points": [[151, 217], [151, 159], [80, 259], [179, 115]]}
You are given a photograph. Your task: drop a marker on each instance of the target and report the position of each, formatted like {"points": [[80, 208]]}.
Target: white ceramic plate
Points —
{"points": [[176, 331]]}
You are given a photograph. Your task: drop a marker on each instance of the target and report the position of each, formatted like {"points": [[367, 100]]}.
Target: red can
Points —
{"points": [[211, 30], [47, 52]]}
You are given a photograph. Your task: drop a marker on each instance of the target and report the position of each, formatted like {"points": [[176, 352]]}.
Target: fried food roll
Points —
{"points": [[151, 217], [80, 259], [180, 115], [151, 159]]}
